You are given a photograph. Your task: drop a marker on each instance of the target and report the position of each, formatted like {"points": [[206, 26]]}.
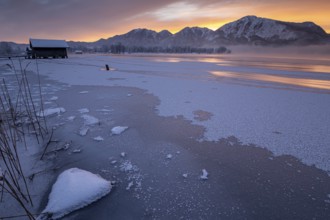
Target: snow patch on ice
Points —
{"points": [[169, 156], [74, 189], [204, 174], [83, 110], [103, 110], [127, 166], [133, 174], [83, 92], [98, 138], [51, 111], [71, 118], [130, 184], [54, 98], [118, 130], [76, 151], [90, 120]]}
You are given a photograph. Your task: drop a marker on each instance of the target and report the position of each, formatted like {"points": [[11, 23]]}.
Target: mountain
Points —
{"points": [[140, 37], [191, 37], [255, 30], [249, 30]]}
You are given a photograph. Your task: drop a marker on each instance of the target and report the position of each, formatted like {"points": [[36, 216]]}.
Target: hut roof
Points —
{"points": [[44, 43]]}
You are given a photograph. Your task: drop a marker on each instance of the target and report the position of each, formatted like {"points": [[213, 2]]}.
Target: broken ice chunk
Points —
{"points": [[204, 175], [90, 120], [50, 111], [83, 131], [83, 110], [53, 98], [118, 129], [98, 138]]}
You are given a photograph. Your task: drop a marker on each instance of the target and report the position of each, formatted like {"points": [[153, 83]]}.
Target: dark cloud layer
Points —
{"points": [[93, 19]]}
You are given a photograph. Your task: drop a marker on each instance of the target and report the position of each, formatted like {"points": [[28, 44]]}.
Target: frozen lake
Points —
{"points": [[259, 126], [281, 104]]}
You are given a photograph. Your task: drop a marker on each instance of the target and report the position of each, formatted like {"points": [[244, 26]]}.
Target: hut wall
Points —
{"points": [[49, 52]]}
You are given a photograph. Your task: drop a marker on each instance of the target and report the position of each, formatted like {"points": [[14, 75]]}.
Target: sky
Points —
{"points": [[90, 20]]}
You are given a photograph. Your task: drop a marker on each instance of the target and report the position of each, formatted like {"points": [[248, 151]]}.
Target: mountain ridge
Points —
{"points": [[248, 30]]}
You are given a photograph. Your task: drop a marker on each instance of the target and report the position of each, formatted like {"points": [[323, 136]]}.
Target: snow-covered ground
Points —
{"points": [[193, 136]]}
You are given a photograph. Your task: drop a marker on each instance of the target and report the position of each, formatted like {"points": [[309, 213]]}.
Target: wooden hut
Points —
{"points": [[42, 48]]}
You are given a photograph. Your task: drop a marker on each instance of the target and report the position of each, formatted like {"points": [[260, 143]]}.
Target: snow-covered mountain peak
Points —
{"points": [[256, 29]]}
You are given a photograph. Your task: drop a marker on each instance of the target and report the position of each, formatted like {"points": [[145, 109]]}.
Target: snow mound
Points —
{"points": [[50, 111], [74, 189], [118, 129]]}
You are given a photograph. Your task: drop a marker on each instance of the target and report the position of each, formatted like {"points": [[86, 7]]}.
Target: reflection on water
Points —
{"points": [[304, 82], [313, 73], [291, 66], [320, 65]]}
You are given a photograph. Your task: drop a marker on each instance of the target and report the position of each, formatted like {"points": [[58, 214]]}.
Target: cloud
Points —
{"points": [[178, 10]]}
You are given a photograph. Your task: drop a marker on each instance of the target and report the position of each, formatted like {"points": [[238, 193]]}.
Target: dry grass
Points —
{"points": [[18, 118]]}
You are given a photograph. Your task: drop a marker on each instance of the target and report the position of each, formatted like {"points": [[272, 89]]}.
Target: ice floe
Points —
{"points": [[74, 189]]}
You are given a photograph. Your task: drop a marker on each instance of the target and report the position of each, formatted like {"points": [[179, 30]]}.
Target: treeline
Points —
{"points": [[120, 48], [7, 50]]}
